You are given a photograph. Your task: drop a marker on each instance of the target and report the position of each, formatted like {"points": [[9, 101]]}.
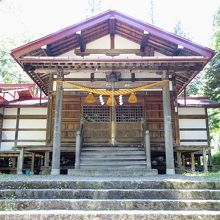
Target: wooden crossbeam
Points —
{"points": [[109, 52]]}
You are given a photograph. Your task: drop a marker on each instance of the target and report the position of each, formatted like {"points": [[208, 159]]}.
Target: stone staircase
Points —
{"points": [[109, 198], [113, 157]]}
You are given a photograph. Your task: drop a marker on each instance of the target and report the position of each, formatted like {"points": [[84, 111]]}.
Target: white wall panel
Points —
{"points": [[194, 143], [32, 123], [122, 43], [101, 43], [33, 111], [8, 135], [10, 111], [31, 135], [192, 123], [7, 146], [9, 123], [193, 135], [191, 111], [32, 143]]}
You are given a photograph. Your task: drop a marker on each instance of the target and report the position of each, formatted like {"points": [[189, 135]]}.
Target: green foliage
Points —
{"points": [[216, 158], [10, 71], [195, 88], [216, 26], [212, 78]]}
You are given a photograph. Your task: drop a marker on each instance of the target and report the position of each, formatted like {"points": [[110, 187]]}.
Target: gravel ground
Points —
{"points": [[10, 177]]}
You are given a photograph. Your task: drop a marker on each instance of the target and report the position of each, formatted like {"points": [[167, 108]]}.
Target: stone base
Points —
{"points": [[170, 171], [55, 172], [113, 172], [45, 170]]}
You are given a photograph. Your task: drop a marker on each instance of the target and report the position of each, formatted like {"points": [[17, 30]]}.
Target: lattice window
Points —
{"points": [[129, 113], [96, 113]]}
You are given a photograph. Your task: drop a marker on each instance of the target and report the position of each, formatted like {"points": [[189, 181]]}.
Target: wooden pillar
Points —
{"points": [[32, 163], [49, 111], [184, 161], [17, 126], [168, 129], [147, 149], [57, 125], [193, 167], [20, 162], [179, 159], [46, 158], [205, 167]]}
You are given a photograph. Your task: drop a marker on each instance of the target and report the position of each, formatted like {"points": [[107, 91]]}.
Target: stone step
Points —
{"points": [[117, 171], [110, 215], [110, 194], [119, 153], [125, 204], [108, 183], [112, 148], [112, 163], [125, 167], [112, 158]]}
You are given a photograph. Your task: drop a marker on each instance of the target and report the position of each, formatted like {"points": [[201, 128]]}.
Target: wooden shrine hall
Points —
{"points": [[112, 84]]}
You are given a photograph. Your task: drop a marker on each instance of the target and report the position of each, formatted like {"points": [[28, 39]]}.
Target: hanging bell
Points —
{"points": [[132, 98], [90, 99], [110, 103]]}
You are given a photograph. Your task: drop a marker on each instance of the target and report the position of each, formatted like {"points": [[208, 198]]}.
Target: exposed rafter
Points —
{"points": [[81, 41], [144, 40]]}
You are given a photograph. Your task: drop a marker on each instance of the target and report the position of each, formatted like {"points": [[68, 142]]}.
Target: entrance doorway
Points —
{"points": [[97, 126]]}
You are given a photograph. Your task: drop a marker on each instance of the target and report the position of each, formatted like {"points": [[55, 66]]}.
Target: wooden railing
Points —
{"points": [[79, 142]]}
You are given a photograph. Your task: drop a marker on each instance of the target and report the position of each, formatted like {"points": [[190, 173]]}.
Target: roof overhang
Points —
{"points": [[40, 68], [197, 102]]}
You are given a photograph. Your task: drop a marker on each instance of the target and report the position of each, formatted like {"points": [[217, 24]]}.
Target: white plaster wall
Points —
{"points": [[32, 143], [32, 123], [193, 135], [123, 43], [31, 135], [7, 146], [194, 143], [33, 111], [101, 43], [8, 135], [191, 111], [192, 123], [10, 111], [9, 123]]}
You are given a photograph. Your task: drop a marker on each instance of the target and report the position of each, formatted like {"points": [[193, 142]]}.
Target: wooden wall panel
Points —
{"points": [[154, 115], [71, 114]]}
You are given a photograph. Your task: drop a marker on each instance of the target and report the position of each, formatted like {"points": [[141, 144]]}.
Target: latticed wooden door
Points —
{"points": [[97, 126]]}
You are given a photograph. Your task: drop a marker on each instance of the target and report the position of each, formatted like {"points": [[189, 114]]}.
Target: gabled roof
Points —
{"points": [[111, 22], [184, 57]]}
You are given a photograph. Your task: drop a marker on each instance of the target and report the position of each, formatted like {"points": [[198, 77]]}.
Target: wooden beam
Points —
{"points": [[81, 42], [193, 167], [109, 52], [112, 26]]}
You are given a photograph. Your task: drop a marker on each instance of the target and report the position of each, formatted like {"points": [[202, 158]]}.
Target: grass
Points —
{"points": [[205, 174]]}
